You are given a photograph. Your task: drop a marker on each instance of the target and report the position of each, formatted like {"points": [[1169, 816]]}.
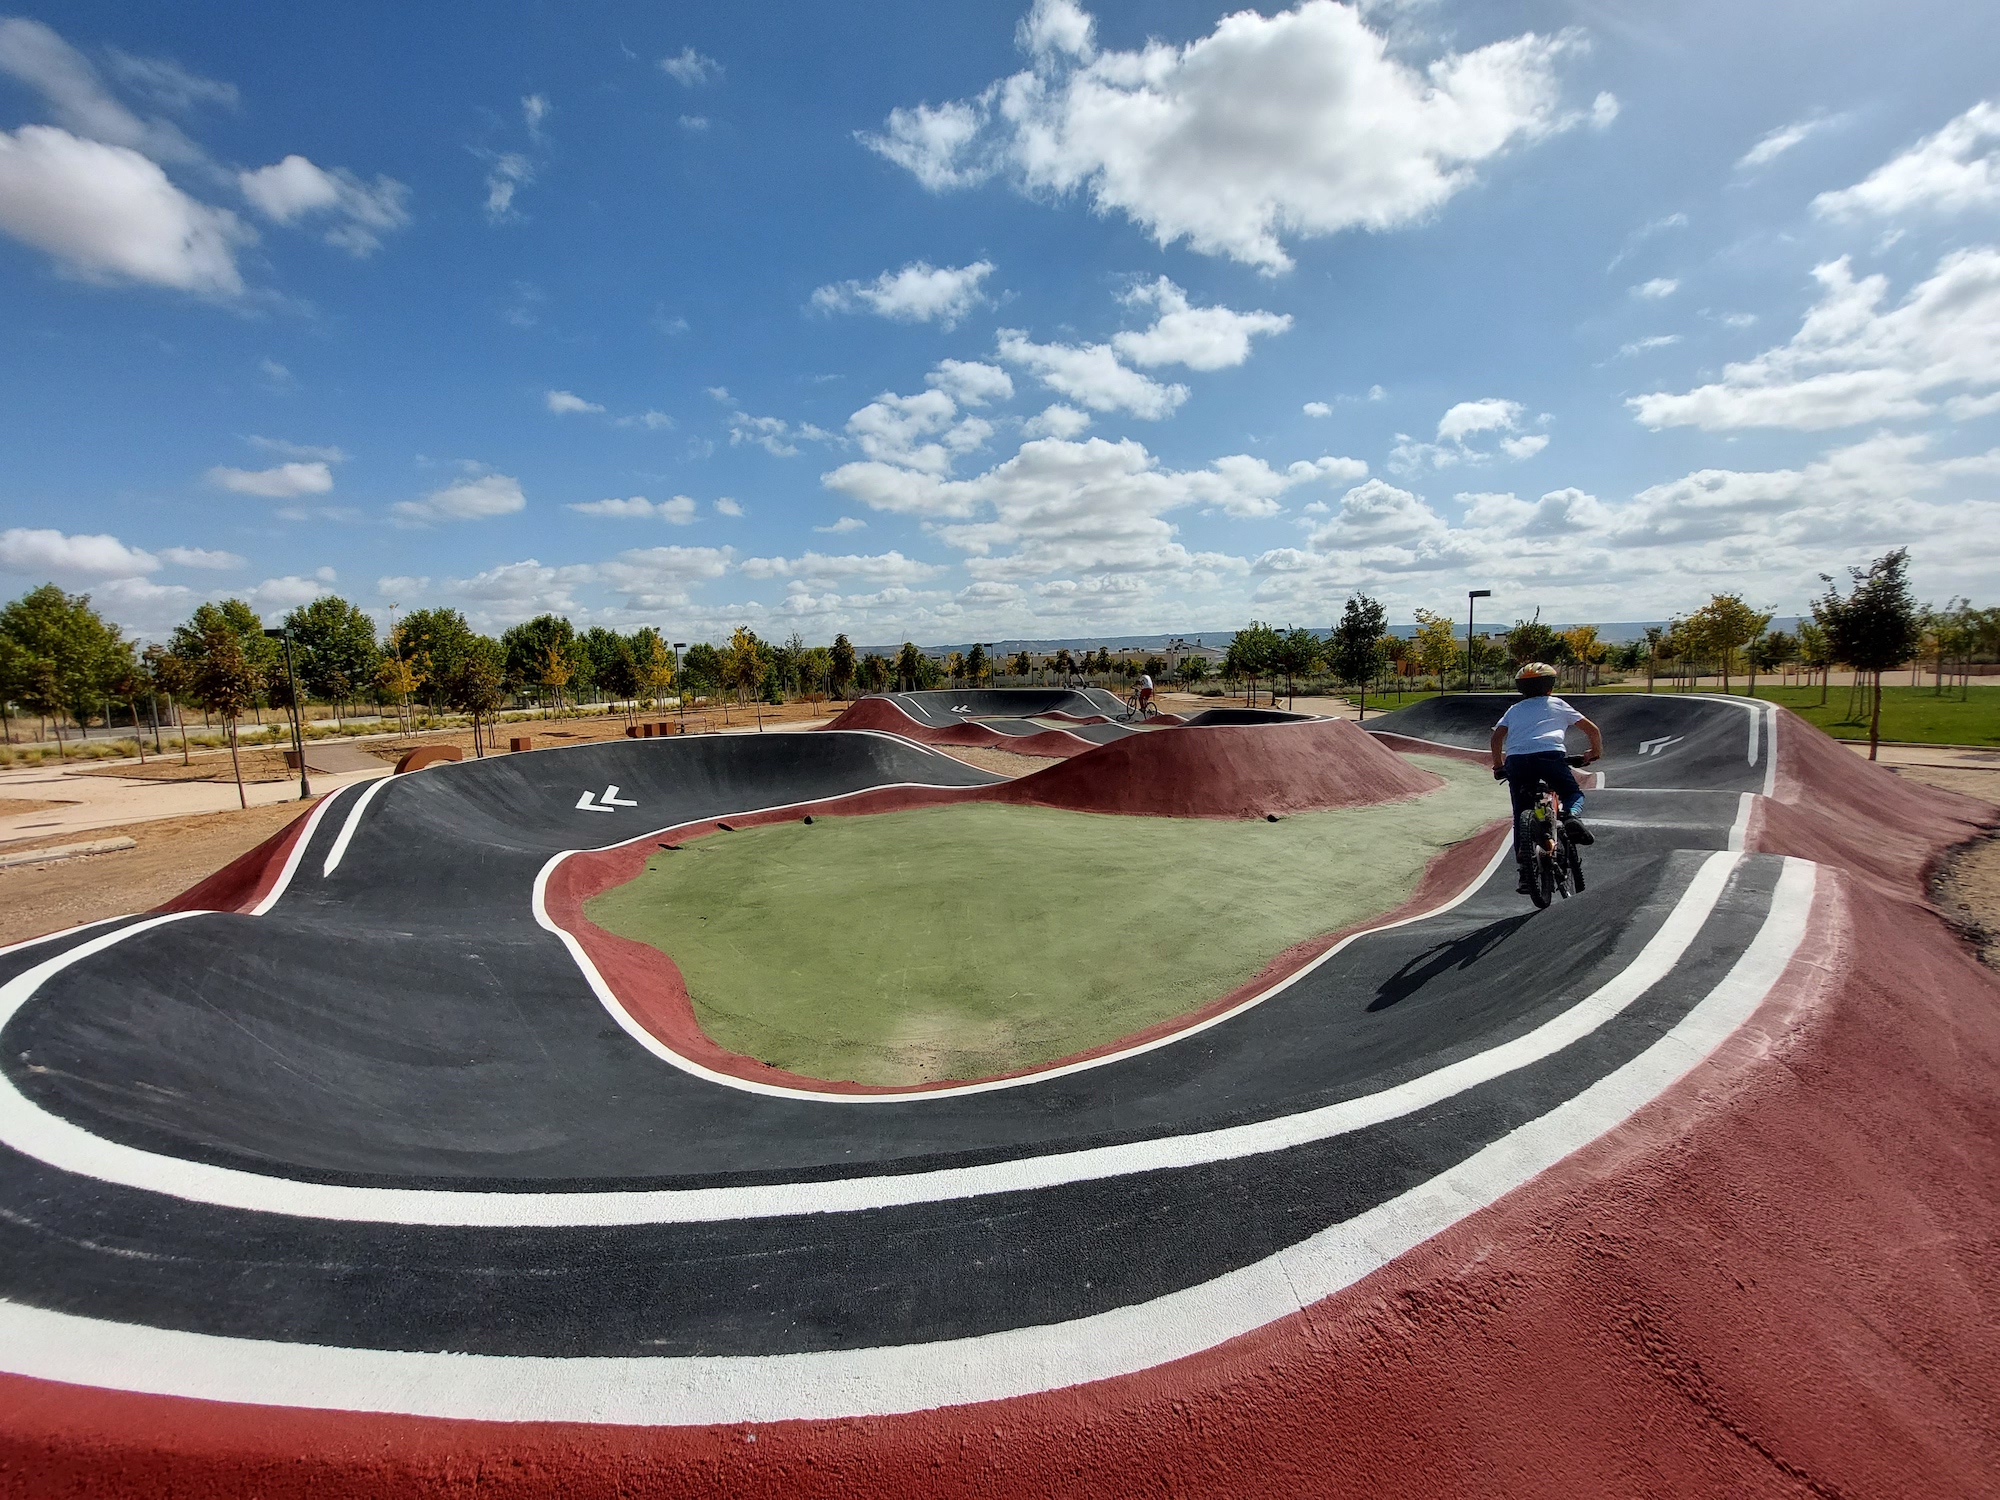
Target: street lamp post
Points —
{"points": [[680, 688], [1470, 596], [284, 633]]}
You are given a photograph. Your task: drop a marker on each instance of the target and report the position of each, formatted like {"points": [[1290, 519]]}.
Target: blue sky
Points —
{"points": [[960, 322]]}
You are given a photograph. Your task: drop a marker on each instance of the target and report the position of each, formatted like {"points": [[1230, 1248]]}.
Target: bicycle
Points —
{"points": [[1555, 867], [1136, 710]]}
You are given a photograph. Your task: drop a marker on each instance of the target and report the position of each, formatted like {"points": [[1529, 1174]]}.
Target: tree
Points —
{"points": [[1584, 649], [1770, 653], [66, 654], [605, 661], [653, 673], [1813, 653], [477, 684], [743, 662], [432, 641], [1191, 670], [1531, 640], [224, 679], [976, 665], [527, 655], [169, 674], [909, 666], [954, 667], [1723, 626], [874, 672], [1296, 654], [1354, 650], [1065, 664], [130, 683], [398, 679], [14, 662], [1874, 627], [1252, 653], [701, 668], [841, 666], [1654, 635], [1022, 664], [1435, 645], [334, 649]]}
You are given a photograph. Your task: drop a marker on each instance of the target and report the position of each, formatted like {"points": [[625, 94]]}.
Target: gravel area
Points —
{"points": [[172, 854]]}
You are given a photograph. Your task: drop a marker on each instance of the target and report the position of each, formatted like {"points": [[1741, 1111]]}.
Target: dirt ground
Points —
{"points": [[20, 807], [172, 854], [1001, 762], [1967, 889], [260, 764]]}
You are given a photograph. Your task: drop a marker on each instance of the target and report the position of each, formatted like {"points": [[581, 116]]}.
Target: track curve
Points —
{"points": [[381, 1159]]}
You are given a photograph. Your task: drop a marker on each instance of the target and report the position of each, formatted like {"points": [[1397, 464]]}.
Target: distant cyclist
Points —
{"points": [[1145, 692], [1528, 752]]}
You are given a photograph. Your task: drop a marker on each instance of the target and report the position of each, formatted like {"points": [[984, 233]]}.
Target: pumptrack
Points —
{"points": [[366, 1168]]}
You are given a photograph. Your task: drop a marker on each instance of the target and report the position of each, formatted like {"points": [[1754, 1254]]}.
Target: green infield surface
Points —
{"points": [[969, 940]]}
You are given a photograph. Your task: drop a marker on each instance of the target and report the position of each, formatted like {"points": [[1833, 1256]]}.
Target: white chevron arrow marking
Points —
{"points": [[585, 804], [1658, 746], [612, 799]]}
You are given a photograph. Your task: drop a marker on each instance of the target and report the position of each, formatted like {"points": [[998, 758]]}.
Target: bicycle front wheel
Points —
{"points": [[1542, 879], [1574, 860]]}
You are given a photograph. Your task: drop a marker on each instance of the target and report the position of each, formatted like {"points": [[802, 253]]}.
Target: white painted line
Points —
{"points": [[1756, 722], [705, 1390], [339, 850], [35, 1132], [52, 937], [298, 853], [1739, 829]]}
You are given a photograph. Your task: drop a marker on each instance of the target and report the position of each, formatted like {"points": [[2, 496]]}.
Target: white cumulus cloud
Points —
{"points": [[678, 511], [108, 213], [1296, 124], [200, 557], [284, 482], [1093, 375], [1853, 361], [919, 293], [294, 189], [1950, 172], [690, 69], [35, 550], [1658, 289], [1202, 338], [564, 402], [970, 383], [472, 499]]}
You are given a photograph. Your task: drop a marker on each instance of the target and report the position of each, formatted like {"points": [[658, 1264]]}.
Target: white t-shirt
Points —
{"points": [[1537, 724], [1145, 682]]}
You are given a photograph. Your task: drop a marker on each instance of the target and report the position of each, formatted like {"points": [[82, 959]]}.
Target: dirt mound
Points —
{"points": [[1225, 771]]}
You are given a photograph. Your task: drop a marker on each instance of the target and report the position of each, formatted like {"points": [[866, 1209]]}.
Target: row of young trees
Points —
{"points": [[60, 659]]}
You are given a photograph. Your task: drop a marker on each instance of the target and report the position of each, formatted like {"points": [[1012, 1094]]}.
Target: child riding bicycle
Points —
{"points": [[1534, 729]]}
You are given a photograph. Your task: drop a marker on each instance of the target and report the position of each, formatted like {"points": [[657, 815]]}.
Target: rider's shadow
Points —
{"points": [[1459, 953]]}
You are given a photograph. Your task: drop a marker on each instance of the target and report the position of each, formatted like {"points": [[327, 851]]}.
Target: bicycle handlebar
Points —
{"points": [[1577, 760]]}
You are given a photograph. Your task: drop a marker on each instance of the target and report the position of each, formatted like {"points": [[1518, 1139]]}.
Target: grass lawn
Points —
{"points": [[1908, 713], [964, 941]]}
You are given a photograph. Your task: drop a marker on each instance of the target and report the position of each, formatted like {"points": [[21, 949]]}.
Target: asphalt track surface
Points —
{"points": [[383, 1146]]}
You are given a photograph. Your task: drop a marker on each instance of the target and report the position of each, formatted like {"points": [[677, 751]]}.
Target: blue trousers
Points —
{"points": [[1526, 775]]}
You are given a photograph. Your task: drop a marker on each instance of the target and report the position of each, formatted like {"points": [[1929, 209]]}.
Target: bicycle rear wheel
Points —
{"points": [[1574, 860]]}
